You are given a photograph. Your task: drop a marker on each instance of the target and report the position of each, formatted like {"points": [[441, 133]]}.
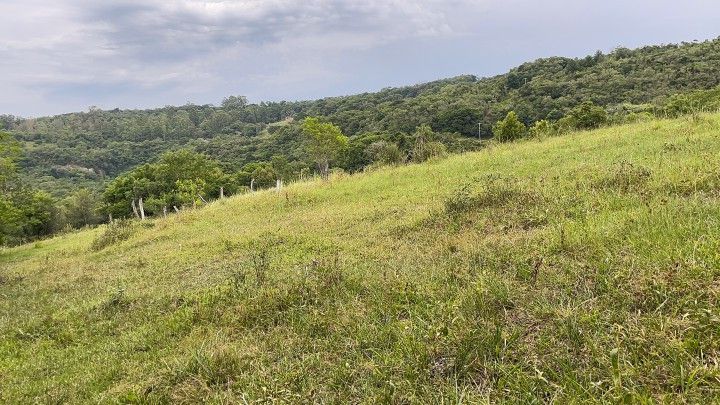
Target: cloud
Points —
{"points": [[151, 43], [180, 30], [64, 55]]}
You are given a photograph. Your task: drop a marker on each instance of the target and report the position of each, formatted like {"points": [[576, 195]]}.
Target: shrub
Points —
{"points": [[541, 128], [509, 128], [386, 153], [426, 146], [588, 116], [115, 232]]}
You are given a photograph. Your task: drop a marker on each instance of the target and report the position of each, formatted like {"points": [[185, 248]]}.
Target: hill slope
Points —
{"points": [[83, 149], [578, 267]]}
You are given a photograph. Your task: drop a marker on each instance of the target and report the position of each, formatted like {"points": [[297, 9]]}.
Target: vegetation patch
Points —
{"points": [[625, 177], [499, 200], [114, 233]]}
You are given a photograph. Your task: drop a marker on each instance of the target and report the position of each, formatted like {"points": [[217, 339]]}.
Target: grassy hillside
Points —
{"points": [[65, 152], [579, 267]]}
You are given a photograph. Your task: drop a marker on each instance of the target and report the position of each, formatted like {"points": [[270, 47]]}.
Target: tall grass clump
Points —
{"points": [[115, 232]]}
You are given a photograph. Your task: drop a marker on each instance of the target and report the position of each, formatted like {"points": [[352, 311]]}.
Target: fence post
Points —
{"points": [[177, 211], [222, 193], [164, 212], [278, 185], [142, 209], [252, 184], [135, 209]]}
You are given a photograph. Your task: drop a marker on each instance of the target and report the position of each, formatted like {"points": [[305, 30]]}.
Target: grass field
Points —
{"points": [[579, 268]]}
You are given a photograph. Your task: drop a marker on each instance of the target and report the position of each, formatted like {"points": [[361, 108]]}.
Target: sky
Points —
{"points": [[61, 56]]}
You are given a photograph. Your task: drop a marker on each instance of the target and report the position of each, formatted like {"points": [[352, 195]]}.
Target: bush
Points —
{"points": [[587, 116], [429, 150], [509, 128], [541, 128], [426, 146], [386, 153], [115, 232]]}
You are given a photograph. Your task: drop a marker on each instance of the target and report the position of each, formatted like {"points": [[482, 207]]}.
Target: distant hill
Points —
{"points": [[97, 144], [580, 268]]}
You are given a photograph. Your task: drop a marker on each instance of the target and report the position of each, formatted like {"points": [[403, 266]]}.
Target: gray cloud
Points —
{"points": [[64, 55]]}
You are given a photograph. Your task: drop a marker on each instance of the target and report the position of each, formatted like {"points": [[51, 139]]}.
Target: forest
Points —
{"points": [[76, 169]]}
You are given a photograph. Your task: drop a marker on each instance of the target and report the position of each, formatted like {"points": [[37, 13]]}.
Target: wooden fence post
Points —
{"points": [[135, 209], [142, 209], [252, 184], [222, 193], [164, 212]]}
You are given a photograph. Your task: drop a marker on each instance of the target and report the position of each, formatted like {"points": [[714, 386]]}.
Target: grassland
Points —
{"points": [[580, 268]]}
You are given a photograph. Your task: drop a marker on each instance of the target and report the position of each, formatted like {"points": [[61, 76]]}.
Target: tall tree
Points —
{"points": [[325, 143]]}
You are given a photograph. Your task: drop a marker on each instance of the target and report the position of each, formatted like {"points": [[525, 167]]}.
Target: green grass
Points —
{"points": [[581, 268]]}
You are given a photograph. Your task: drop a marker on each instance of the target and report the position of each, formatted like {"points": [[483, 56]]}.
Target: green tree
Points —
{"points": [[463, 120], [9, 153], [385, 153], [24, 213], [588, 116], [510, 128], [325, 143], [82, 208], [426, 145], [235, 102], [168, 181], [541, 128]]}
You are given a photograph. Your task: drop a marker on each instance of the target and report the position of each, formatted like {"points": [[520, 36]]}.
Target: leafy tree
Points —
{"points": [[263, 174], [325, 142], [463, 120], [386, 153], [540, 128], [281, 167], [426, 146], [24, 213], [510, 128], [588, 116], [169, 181], [82, 208], [218, 122], [9, 153], [235, 102]]}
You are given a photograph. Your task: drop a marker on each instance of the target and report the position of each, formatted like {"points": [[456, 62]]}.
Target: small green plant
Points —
{"points": [[115, 302]]}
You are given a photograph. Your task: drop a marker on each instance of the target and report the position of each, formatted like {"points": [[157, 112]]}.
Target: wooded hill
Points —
{"points": [[64, 152]]}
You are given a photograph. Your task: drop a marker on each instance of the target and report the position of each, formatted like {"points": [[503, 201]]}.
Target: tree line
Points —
{"points": [[65, 152], [75, 169]]}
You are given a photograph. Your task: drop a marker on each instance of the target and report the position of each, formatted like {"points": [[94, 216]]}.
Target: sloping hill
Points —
{"points": [[573, 268], [83, 149]]}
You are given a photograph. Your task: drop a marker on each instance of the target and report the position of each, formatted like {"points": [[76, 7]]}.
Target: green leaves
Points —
{"points": [[325, 142], [509, 128], [177, 178]]}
